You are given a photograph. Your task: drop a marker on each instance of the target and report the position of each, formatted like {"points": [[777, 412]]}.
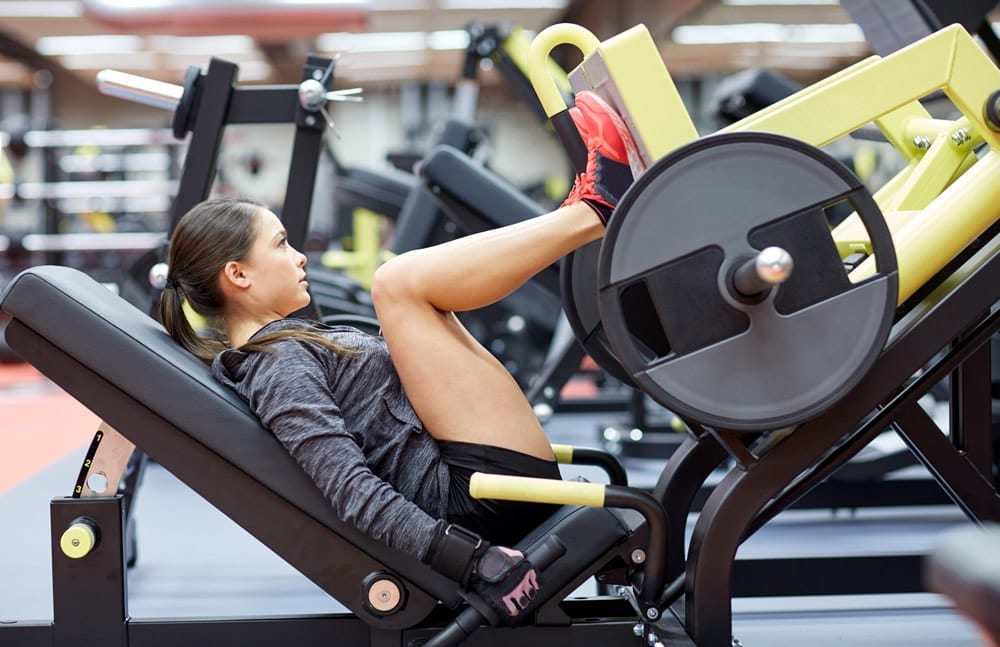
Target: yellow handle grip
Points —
{"points": [[535, 490], [563, 453], [518, 44], [538, 61]]}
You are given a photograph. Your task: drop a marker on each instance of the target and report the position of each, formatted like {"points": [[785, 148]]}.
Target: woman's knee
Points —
{"points": [[394, 281]]}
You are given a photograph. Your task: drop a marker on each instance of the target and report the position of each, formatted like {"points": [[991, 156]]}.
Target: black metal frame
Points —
{"points": [[946, 335], [212, 100], [220, 103], [489, 41], [90, 605]]}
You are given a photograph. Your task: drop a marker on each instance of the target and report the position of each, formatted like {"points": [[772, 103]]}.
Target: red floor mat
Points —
{"points": [[39, 425], [14, 375]]}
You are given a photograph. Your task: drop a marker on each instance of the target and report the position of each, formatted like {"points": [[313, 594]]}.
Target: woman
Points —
{"points": [[391, 429]]}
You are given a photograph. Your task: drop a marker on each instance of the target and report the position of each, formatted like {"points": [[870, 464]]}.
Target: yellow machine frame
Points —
{"points": [[366, 253], [944, 197]]}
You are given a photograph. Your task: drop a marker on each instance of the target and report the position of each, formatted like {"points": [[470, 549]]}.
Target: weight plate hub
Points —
{"points": [[688, 338]]}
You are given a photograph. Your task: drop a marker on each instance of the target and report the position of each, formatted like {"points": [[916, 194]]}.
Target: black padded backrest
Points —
{"points": [[93, 327], [131, 350], [122, 365]]}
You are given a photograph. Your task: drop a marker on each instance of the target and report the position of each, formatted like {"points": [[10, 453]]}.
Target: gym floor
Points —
{"points": [[194, 562]]}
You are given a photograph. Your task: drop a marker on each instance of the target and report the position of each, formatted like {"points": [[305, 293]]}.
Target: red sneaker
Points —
{"points": [[609, 143]]}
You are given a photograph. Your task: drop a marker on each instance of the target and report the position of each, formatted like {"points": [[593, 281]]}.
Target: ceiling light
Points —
{"points": [[766, 33], [448, 39], [135, 61], [396, 41], [765, 3], [385, 60], [222, 45], [95, 44], [41, 9], [486, 5]]}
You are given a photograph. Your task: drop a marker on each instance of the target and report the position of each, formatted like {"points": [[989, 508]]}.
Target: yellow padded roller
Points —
{"points": [[536, 490], [933, 235], [563, 453]]}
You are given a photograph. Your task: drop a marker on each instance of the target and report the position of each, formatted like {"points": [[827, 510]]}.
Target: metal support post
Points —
{"points": [[89, 601]]}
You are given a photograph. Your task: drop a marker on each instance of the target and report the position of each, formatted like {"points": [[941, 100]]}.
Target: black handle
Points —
{"points": [[576, 148], [469, 620]]}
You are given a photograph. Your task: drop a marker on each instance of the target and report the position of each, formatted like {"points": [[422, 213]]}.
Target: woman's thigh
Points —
{"points": [[460, 391]]}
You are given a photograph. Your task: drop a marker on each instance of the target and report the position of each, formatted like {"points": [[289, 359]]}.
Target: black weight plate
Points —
{"points": [[676, 238], [578, 287]]}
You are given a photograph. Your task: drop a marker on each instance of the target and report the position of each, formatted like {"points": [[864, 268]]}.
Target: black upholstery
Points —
{"points": [[480, 191], [122, 365], [477, 199], [383, 192]]}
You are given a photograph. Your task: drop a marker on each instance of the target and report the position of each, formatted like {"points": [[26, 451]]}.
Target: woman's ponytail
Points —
{"points": [[176, 322]]}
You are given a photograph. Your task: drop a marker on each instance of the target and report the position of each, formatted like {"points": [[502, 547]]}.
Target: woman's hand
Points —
{"points": [[502, 584], [506, 581]]}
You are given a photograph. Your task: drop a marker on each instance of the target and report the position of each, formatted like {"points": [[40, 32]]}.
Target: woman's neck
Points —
{"points": [[241, 330]]}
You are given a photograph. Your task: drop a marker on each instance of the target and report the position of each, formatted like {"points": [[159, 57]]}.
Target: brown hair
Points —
{"points": [[207, 237]]}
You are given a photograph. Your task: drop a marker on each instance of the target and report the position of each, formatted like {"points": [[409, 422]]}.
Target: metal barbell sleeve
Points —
{"points": [[771, 266], [139, 89]]}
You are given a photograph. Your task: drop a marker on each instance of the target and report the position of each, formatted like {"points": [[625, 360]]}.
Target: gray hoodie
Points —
{"points": [[348, 423]]}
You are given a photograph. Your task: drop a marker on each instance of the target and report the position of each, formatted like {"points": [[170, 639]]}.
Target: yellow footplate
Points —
{"points": [[627, 70]]}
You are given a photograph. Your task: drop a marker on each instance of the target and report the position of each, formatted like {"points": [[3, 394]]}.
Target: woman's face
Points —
{"points": [[276, 269]]}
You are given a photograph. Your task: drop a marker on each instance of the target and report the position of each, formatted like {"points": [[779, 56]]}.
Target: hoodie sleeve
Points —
{"points": [[289, 391]]}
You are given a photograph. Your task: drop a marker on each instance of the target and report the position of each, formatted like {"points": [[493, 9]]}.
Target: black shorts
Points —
{"points": [[501, 522]]}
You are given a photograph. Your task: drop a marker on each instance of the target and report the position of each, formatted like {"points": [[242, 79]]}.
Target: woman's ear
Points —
{"points": [[234, 276]]}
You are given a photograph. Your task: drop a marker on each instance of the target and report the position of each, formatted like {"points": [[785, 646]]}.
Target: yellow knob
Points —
{"points": [[78, 540]]}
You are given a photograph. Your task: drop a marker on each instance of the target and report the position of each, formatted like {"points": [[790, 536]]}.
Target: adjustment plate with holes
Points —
{"points": [[578, 287], [676, 324]]}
